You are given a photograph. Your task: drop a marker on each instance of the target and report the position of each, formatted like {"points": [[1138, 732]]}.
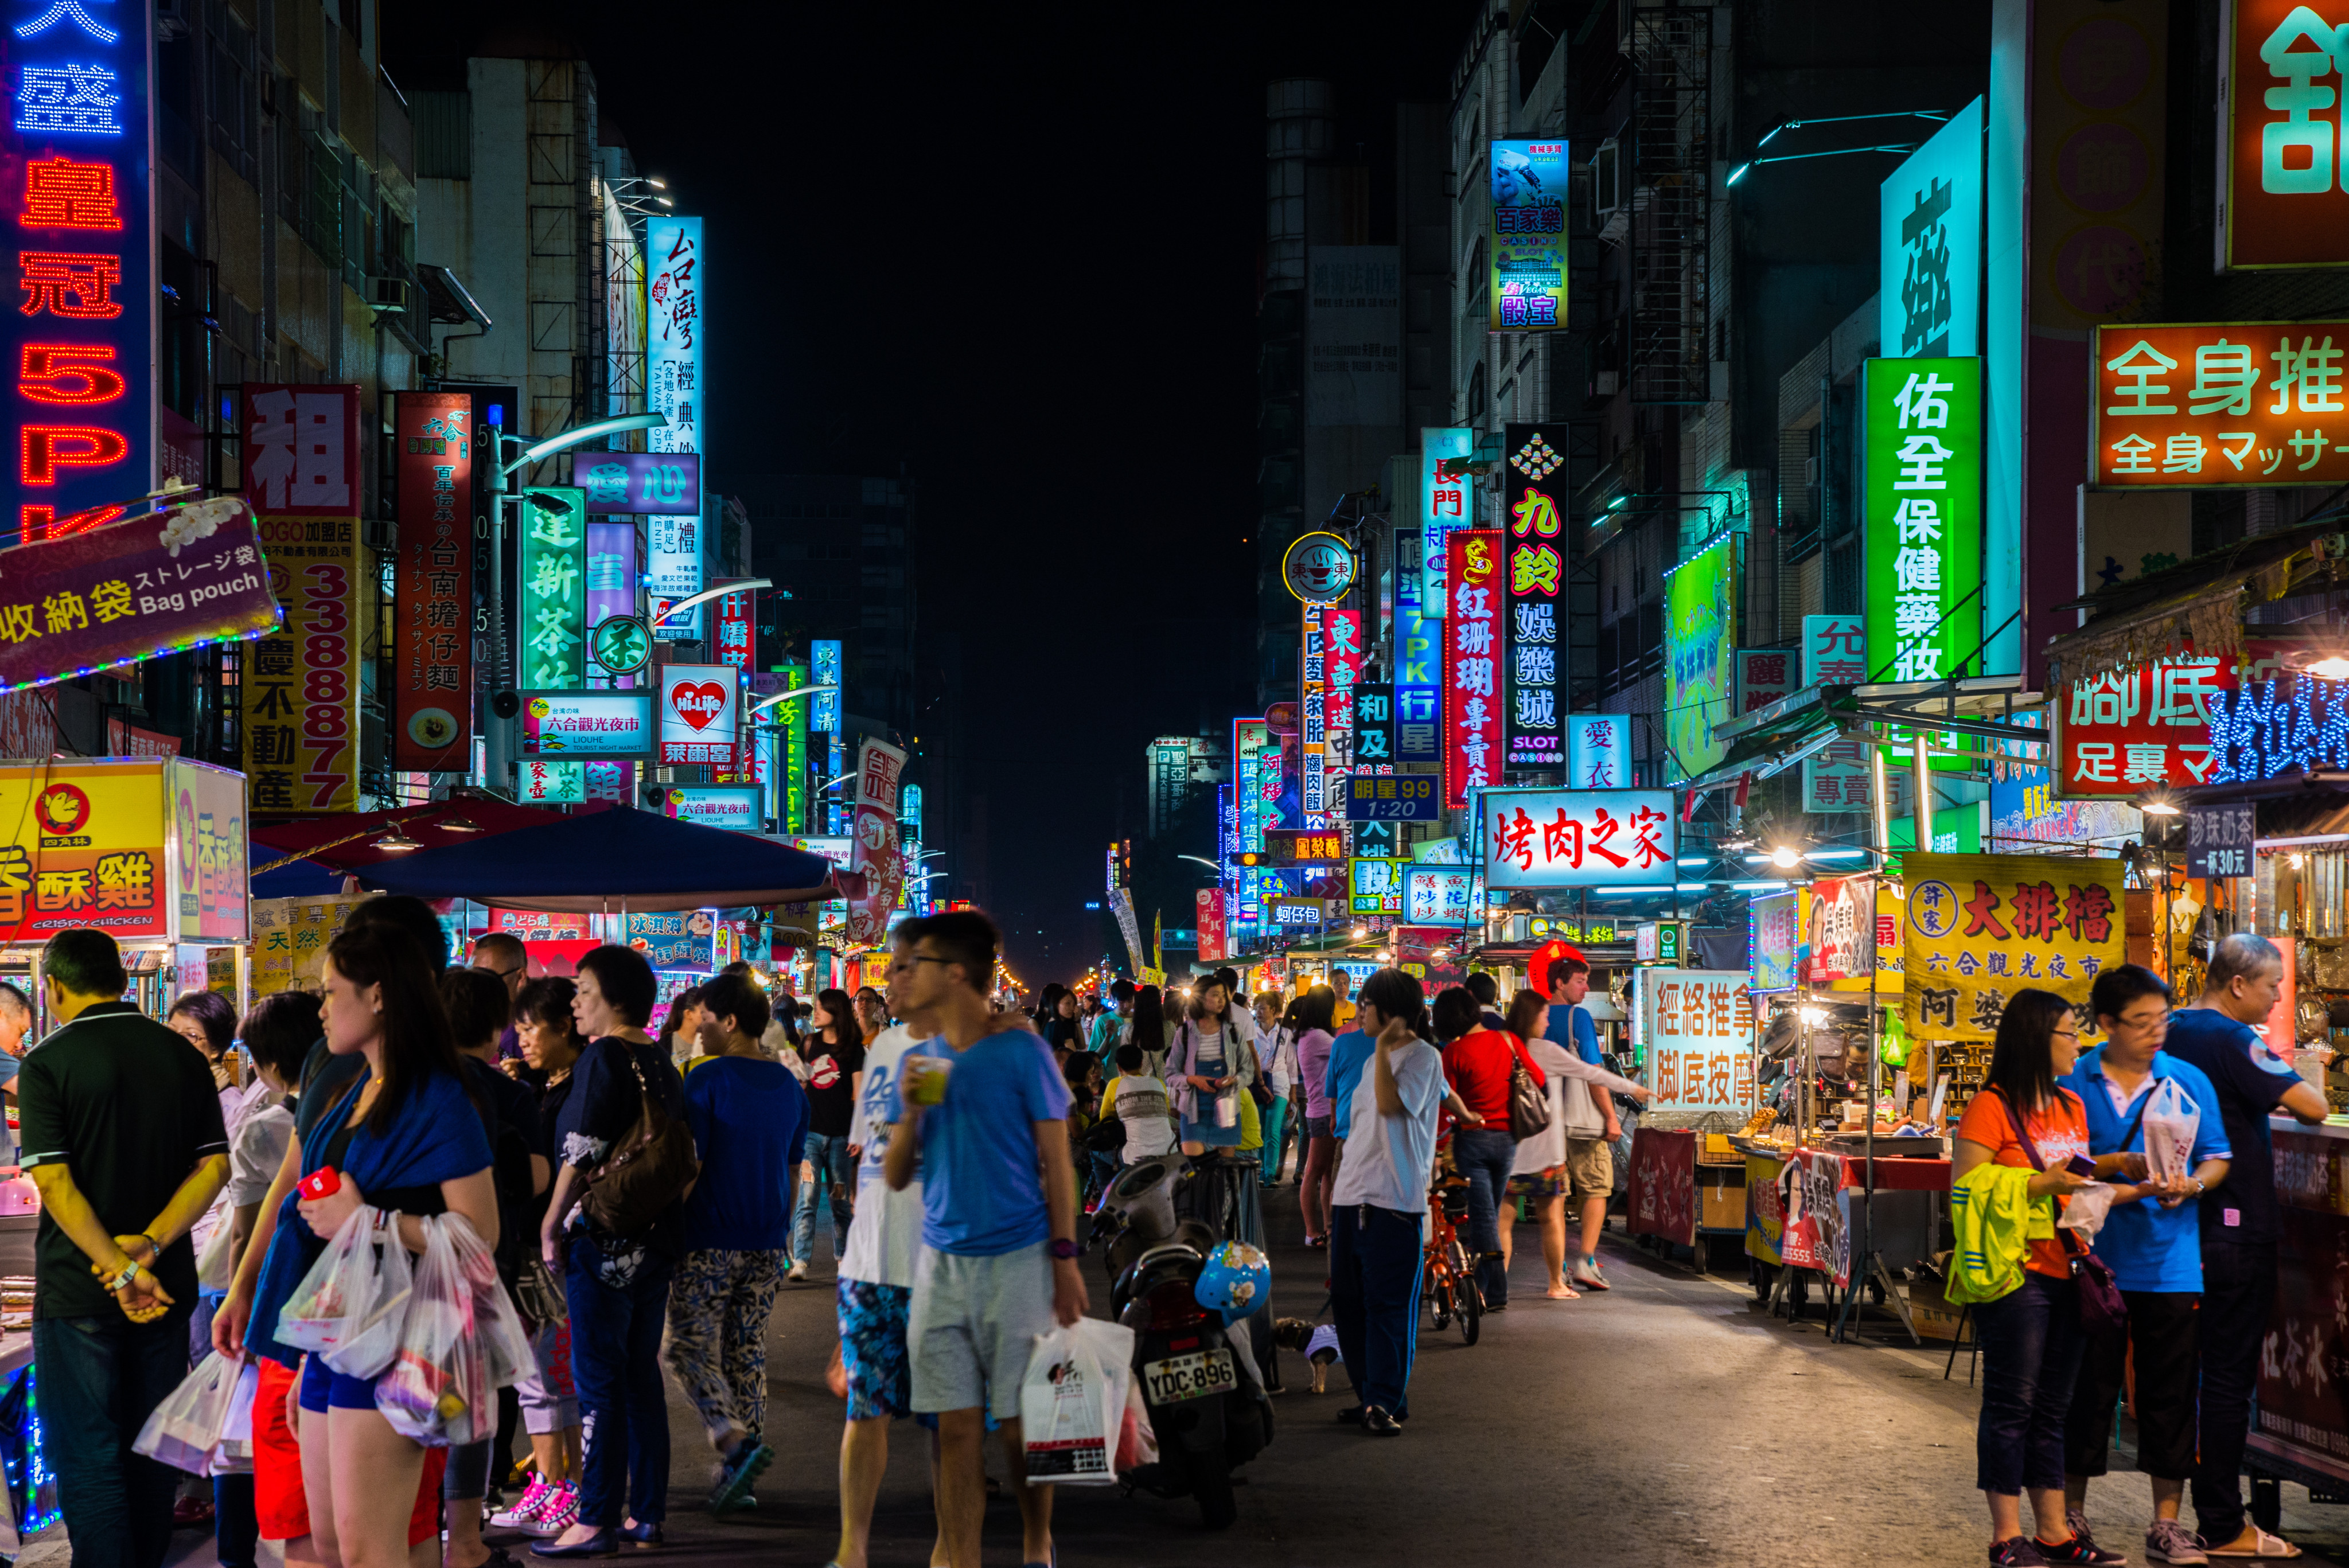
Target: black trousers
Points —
{"points": [[2239, 1283], [2163, 1330]]}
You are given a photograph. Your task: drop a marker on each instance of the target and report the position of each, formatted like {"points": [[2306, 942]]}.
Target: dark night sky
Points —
{"points": [[1023, 260]]}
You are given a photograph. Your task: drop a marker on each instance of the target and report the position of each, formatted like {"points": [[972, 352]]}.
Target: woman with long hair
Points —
{"points": [[1315, 1020], [1478, 1063], [836, 1057], [680, 1030], [406, 1138], [1150, 1030], [2030, 1337], [549, 1038], [1209, 1066], [1276, 1042], [1539, 1171], [616, 1285]]}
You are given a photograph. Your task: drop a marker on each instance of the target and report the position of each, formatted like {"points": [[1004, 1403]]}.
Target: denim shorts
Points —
{"points": [[1316, 1126]]}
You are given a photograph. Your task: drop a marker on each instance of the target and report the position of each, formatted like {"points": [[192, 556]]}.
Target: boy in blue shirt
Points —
{"points": [[2152, 1241], [999, 1219]]}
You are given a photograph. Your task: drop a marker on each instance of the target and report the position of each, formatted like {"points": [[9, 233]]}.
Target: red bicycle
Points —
{"points": [[1448, 1284]]}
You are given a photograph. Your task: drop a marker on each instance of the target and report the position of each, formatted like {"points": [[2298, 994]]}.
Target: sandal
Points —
{"points": [[2262, 1545], [1564, 1292]]}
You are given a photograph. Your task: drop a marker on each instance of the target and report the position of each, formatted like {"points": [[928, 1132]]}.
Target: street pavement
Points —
{"points": [[1666, 1421]]}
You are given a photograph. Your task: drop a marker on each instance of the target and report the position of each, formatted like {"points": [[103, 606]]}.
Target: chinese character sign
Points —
{"points": [[1530, 184], [1836, 777], [94, 846], [1534, 526], [824, 716], [2287, 200], [1763, 676], [432, 602], [1839, 949], [1834, 650], [605, 726], [301, 688], [1560, 838], [1437, 895], [1210, 906], [1411, 798], [77, 182], [673, 333], [878, 768], [1447, 503], [1982, 927], [1310, 847], [1341, 666], [2220, 404], [1374, 728], [1698, 1027], [1313, 708], [2218, 840], [1599, 751], [612, 590], [1472, 663], [1701, 600], [1929, 282], [700, 705], [649, 483], [1376, 886], [2124, 731], [735, 806], [1924, 545], [1774, 938], [552, 633]]}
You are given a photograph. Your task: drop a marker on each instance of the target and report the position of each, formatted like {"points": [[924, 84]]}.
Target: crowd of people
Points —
{"points": [[2161, 1270], [648, 1184]]}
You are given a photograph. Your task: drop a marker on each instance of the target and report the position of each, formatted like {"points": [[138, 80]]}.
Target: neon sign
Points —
{"points": [[77, 182]]}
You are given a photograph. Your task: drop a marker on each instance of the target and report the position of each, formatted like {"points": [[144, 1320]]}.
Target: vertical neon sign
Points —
{"points": [[77, 182]]}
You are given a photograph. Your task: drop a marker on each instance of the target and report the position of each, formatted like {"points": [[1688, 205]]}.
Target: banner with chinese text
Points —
{"points": [[878, 768], [1560, 838], [1530, 182], [1535, 572], [301, 693], [1982, 927], [2284, 204], [2217, 405], [432, 594], [1697, 1025], [1472, 656]]}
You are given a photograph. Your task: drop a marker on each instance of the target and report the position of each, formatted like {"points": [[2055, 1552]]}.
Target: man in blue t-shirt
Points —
{"points": [[2151, 1239], [2240, 1226], [983, 1115], [1592, 1128]]}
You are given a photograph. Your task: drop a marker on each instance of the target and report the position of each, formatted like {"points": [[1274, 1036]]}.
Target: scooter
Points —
{"points": [[1197, 1375]]}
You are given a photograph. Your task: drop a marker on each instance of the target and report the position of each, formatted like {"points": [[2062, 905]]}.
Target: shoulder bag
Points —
{"points": [[2103, 1312], [1528, 1102], [645, 1171], [1259, 1086]]}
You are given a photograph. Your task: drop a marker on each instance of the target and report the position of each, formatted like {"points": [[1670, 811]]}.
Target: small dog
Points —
{"points": [[1318, 1342]]}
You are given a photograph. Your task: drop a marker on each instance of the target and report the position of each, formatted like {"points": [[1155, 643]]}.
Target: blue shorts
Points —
{"points": [[324, 1389], [873, 1349]]}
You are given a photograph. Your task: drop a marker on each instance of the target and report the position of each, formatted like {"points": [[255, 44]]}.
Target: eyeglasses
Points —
{"points": [[926, 958]]}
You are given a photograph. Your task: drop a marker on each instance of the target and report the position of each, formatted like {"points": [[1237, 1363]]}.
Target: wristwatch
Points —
{"points": [[1063, 1248]]}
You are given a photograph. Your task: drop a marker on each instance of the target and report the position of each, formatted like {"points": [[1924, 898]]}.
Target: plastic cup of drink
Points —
{"points": [[927, 1085]]}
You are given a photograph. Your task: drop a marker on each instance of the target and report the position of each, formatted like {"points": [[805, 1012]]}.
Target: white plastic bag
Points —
{"points": [[2171, 1120], [213, 1262], [186, 1427], [371, 1338], [1072, 1403], [339, 1289], [232, 1455], [2085, 1209], [1137, 1439], [438, 1391], [505, 1342]]}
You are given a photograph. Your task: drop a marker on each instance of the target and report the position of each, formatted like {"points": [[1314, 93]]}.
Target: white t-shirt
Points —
{"points": [[1141, 1103], [885, 1234], [1391, 1160], [256, 1151]]}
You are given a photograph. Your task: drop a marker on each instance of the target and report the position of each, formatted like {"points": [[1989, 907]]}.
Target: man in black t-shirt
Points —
{"points": [[122, 1135], [2240, 1228]]}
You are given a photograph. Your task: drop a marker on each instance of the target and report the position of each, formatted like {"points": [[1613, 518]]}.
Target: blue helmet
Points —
{"points": [[1237, 1281]]}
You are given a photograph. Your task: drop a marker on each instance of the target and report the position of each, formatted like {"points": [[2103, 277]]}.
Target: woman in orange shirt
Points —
{"points": [[2030, 1337]]}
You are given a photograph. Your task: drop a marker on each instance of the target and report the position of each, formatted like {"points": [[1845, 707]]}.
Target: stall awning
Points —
{"points": [[1775, 738], [2197, 603]]}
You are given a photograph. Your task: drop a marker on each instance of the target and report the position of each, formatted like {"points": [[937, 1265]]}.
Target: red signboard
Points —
{"points": [[433, 594], [1211, 923], [1660, 1191], [1472, 663], [2285, 205], [2118, 734], [2220, 405], [1341, 666]]}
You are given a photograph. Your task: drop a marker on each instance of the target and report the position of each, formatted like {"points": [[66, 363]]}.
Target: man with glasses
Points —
{"points": [[2152, 1242], [501, 954], [2220, 1033]]}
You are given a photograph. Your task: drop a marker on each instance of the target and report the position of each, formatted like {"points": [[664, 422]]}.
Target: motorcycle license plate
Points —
{"points": [[1180, 1377]]}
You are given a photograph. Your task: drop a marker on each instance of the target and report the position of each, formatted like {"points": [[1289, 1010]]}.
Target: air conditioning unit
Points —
{"points": [[1606, 181], [388, 295], [1604, 383]]}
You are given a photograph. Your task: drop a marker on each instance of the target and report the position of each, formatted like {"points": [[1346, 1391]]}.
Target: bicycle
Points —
{"points": [[1448, 1283]]}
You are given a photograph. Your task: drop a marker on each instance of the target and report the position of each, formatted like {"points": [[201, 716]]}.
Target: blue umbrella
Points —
{"points": [[610, 861]]}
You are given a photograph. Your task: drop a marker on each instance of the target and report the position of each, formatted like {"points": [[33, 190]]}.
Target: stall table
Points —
{"points": [[1675, 1194], [1809, 1224]]}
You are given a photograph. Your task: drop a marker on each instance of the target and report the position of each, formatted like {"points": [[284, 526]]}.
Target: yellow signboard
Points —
{"points": [[289, 941], [145, 849], [1979, 928]]}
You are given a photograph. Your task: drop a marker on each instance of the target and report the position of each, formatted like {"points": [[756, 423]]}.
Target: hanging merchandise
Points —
{"points": [[1892, 1050]]}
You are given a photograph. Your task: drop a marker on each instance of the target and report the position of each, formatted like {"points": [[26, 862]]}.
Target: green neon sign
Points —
{"points": [[1923, 430]]}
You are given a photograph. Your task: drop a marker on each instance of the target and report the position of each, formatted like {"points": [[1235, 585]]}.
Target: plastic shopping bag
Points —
{"points": [[438, 1391], [339, 1288], [371, 1337], [2171, 1120], [1072, 1402], [187, 1425], [212, 1270], [504, 1342], [1137, 1439], [2085, 1209], [232, 1455]]}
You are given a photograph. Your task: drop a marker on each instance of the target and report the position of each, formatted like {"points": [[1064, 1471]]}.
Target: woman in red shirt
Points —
{"points": [[1476, 1062]]}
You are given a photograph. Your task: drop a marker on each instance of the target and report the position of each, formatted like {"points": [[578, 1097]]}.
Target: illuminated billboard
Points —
{"points": [[1923, 430], [1447, 502], [1532, 476], [1530, 183], [673, 332], [1929, 277], [1700, 635], [1472, 656], [2220, 405], [2286, 203], [432, 602]]}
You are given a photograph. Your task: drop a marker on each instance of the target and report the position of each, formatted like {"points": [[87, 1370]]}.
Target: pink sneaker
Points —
{"points": [[561, 1512], [524, 1515]]}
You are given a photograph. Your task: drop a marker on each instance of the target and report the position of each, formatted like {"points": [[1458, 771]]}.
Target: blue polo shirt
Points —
{"points": [[1349, 1053], [2149, 1247]]}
